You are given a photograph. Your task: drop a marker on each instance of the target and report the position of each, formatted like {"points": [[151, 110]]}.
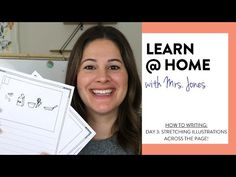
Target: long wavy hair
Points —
{"points": [[128, 121]]}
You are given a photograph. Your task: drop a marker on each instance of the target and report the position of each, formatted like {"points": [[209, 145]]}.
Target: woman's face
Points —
{"points": [[102, 79]]}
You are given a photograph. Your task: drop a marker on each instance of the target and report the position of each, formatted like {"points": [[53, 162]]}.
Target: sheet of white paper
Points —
{"points": [[76, 133], [32, 112]]}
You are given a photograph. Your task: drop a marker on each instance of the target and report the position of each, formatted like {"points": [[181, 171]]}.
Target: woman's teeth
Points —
{"points": [[102, 92]]}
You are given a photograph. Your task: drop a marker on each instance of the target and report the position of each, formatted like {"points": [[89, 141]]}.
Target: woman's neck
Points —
{"points": [[102, 124]]}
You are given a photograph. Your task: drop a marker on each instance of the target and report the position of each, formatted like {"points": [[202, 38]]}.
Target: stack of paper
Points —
{"points": [[36, 116]]}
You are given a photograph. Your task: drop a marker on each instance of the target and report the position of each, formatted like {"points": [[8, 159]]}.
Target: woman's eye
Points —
{"points": [[113, 67], [89, 67]]}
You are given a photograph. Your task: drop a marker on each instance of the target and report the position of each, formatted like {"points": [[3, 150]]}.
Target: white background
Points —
{"points": [[171, 105]]}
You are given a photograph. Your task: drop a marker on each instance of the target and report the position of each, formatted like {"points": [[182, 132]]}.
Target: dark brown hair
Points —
{"points": [[129, 114]]}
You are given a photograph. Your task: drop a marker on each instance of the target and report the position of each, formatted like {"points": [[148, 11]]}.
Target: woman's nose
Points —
{"points": [[102, 76]]}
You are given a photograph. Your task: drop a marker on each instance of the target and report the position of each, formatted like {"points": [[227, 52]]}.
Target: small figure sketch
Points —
{"points": [[50, 108], [31, 104], [21, 100], [38, 102], [35, 105], [8, 96]]}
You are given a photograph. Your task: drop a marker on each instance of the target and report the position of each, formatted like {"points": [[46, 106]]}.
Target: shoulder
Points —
{"points": [[108, 146]]}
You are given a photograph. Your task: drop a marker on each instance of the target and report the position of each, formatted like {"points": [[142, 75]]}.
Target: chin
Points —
{"points": [[103, 110]]}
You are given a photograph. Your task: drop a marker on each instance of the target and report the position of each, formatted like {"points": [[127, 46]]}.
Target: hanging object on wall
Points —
{"points": [[8, 37], [80, 26]]}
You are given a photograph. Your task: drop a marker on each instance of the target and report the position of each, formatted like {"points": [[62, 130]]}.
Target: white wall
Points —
{"points": [[41, 37], [133, 32]]}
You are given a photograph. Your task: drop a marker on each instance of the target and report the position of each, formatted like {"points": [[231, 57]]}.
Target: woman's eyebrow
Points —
{"points": [[114, 59], [88, 59]]}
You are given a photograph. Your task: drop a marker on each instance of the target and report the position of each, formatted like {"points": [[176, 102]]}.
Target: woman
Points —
{"points": [[107, 90]]}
